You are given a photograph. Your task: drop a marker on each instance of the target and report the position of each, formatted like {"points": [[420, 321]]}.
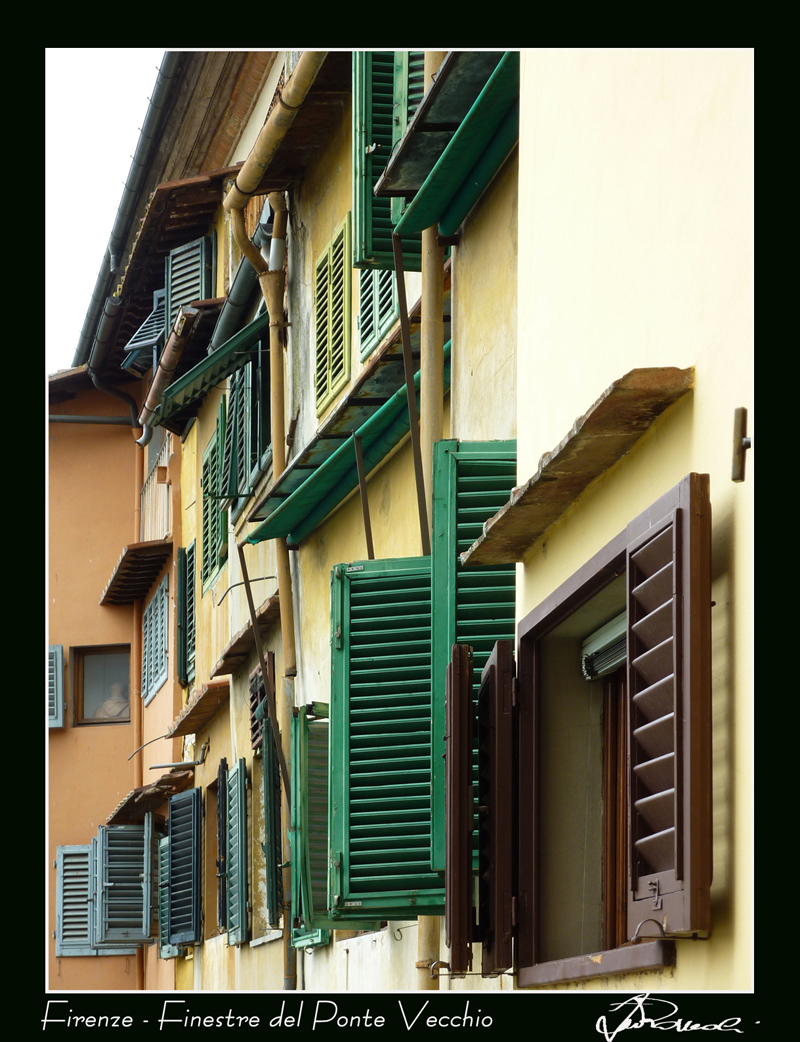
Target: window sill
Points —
{"points": [[649, 955]]}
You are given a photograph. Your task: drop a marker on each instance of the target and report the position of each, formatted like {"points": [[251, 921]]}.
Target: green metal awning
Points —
{"points": [[472, 156], [192, 387], [297, 515]]}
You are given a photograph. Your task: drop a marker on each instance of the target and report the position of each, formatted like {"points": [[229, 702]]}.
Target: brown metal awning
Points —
{"points": [[238, 650], [200, 708], [598, 439], [150, 797], [136, 571]]}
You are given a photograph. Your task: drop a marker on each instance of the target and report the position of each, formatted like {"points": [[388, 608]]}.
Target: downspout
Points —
{"points": [[170, 357], [272, 281], [431, 419], [111, 313], [136, 701]]}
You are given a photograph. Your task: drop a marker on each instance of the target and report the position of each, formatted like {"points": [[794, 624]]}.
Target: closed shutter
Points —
{"points": [[165, 949], [669, 685], [73, 901], [236, 853], [472, 606], [125, 884], [155, 641], [234, 453], [214, 515], [332, 302], [273, 873], [188, 277], [380, 757], [55, 686], [459, 810], [222, 844], [184, 832], [380, 100]]}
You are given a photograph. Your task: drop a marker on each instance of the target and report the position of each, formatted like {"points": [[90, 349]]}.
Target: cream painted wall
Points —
{"points": [[636, 250]]}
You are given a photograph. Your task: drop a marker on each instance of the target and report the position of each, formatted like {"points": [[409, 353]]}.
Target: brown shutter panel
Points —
{"points": [[459, 809], [669, 691], [496, 809]]}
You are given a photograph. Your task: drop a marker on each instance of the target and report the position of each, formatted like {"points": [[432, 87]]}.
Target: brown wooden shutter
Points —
{"points": [[496, 809], [459, 809], [669, 691]]}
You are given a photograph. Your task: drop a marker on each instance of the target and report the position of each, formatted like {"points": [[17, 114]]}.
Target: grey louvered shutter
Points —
{"points": [[185, 837], [669, 692], [55, 686], [236, 853], [188, 277], [222, 844], [74, 905], [144, 347], [165, 949], [472, 606], [380, 756], [125, 883]]}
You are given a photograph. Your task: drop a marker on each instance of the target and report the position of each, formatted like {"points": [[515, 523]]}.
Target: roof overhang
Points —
{"points": [[201, 707], [135, 572], [238, 651], [597, 440], [148, 798]]}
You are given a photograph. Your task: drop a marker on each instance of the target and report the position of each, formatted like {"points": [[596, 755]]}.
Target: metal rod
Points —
{"points": [[273, 712], [362, 484], [424, 532], [124, 421]]}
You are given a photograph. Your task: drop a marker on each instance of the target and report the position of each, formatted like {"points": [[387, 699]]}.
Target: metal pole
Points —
{"points": [[362, 485]]}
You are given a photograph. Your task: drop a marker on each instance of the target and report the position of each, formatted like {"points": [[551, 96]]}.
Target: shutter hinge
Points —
{"points": [[514, 691]]}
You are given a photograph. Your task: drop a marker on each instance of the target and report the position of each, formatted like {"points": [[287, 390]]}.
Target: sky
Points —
{"points": [[96, 100]]}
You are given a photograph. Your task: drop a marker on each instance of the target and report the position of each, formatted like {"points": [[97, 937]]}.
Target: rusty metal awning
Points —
{"points": [[200, 708], [597, 440], [149, 797], [237, 651], [136, 571]]}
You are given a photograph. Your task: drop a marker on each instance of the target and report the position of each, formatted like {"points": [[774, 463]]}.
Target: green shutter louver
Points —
{"points": [[378, 308], [188, 276], [332, 303], [472, 606], [380, 760], [184, 833], [236, 853], [380, 107], [55, 686], [125, 882]]}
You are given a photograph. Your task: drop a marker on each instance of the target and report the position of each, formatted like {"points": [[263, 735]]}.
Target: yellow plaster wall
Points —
{"points": [[636, 250]]}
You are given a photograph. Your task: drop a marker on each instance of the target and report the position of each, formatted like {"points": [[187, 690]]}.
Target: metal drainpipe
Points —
{"points": [[170, 357], [430, 425], [272, 287]]}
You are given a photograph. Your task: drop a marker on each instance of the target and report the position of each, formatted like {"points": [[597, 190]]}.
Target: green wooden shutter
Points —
{"points": [[188, 276], [472, 606], [380, 94], [126, 860], [214, 515], [55, 686], [185, 836], [409, 90], [236, 853], [380, 757], [272, 846], [332, 303], [165, 949], [234, 453], [378, 307]]}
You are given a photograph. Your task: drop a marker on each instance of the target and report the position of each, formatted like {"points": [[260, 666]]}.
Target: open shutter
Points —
{"points": [[165, 949], [236, 853], [125, 883], [380, 759], [222, 844], [378, 307], [332, 302], [144, 347], [74, 901], [185, 811], [188, 277], [496, 809], [233, 446], [273, 874], [380, 100], [669, 691], [459, 810], [472, 606], [55, 686], [181, 617]]}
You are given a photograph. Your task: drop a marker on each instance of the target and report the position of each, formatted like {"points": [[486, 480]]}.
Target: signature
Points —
{"points": [[634, 1016]]}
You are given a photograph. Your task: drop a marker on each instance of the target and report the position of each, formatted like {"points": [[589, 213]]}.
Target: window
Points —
{"points": [[613, 767], [387, 87], [332, 303], [101, 679], [183, 872], [215, 517], [247, 431], [185, 613], [155, 641], [55, 686]]}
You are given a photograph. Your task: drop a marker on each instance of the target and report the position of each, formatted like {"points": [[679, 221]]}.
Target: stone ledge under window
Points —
{"points": [[632, 958], [597, 440]]}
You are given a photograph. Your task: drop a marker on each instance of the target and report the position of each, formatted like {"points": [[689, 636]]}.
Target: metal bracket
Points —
{"points": [[741, 443], [654, 887]]}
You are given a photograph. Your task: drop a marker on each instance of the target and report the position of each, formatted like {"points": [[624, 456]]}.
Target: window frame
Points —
{"points": [[77, 656], [686, 912]]}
